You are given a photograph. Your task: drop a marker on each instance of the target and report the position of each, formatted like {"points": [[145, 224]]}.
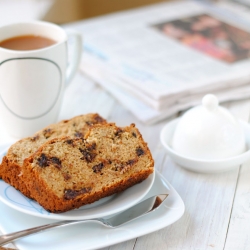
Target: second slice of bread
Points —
{"points": [[66, 173]]}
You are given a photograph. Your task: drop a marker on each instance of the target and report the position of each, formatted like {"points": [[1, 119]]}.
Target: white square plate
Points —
{"points": [[91, 235]]}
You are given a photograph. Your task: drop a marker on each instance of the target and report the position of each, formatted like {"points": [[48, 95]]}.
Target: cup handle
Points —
{"points": [[76, 55]]}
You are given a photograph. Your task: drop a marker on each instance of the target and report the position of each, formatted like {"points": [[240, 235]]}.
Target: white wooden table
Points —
{"points": [[217, 212]]}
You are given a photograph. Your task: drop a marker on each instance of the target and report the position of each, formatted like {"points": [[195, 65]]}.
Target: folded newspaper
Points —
{"points": [[161, 59]]}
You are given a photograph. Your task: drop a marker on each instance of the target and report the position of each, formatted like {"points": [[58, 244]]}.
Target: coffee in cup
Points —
{"points": [[27, 42], [33, 79]]}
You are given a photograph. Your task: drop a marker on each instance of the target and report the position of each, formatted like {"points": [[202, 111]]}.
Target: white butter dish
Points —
{"points": [[207, 138], [200, 165]]}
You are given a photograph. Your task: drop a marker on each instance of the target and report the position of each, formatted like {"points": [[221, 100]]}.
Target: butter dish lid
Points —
{"points": [[209, 132]]}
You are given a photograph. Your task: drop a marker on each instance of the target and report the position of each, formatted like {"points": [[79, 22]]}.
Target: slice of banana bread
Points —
{"points": [[11, 166], [67, 173]]}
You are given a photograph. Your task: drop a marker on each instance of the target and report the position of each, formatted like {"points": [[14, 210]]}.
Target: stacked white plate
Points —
{"points": [[18, 213]]}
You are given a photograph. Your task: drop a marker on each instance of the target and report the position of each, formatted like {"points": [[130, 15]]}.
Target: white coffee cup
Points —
{"points": [[32, 82]]}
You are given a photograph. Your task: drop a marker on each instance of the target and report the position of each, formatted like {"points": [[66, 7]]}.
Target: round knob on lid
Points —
{"points": [[210, 102], [209, 132]]}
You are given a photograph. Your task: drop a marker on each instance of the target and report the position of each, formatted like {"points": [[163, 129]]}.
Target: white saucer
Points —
{"points": [[91, 235], [104, 207], [203, 166]]}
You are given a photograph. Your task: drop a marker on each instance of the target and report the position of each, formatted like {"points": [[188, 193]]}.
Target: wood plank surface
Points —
{"points": [[209, 200], [239, 226], [217, 212]]}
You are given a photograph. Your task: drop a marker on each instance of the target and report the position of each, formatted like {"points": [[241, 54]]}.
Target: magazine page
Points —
{"points": [[170, 48]]}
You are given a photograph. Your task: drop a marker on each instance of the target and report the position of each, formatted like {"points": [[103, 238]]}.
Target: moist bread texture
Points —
{"points": [[11, 166], [67, 173]]}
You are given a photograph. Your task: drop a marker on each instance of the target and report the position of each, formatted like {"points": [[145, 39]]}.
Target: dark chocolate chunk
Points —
{"points": [[43, 161], [97, 168], [134, 134], [123, 167], [69, 141], [47, 132], [131, 162], [56, 162], [70, 194], [88, 155], [140, 151], [118, 132]]}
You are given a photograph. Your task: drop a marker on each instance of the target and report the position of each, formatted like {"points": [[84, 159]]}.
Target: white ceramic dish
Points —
{"points": [[104, 207], [93, 235], [203, 166]]}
